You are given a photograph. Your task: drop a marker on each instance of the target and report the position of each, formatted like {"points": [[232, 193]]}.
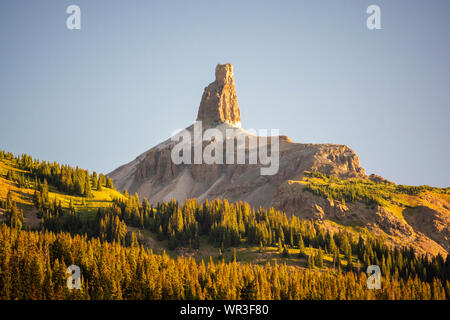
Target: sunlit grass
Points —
{"points": [[24, 196], [392, 197]]}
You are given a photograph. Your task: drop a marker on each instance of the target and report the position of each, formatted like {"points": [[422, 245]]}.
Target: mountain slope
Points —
{"points": [[404, 220], [155, 176], [420, 219]]}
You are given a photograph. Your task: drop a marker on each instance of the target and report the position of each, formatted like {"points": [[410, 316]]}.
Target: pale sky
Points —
{"points": [[100, 96]]}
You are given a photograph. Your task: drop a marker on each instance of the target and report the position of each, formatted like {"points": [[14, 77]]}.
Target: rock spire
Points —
{"points": [[219, 101]]}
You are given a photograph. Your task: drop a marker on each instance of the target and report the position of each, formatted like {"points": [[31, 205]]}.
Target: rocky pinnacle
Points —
{"points": [[219, 101]]}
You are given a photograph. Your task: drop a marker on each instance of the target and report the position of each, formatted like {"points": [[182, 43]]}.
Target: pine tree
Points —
{"points": [[349, 263], [109, 183], [319, 258], [311, 259], [94, 180], [87, 189], [301, 247], [15, 217], [285, 253], [101, 180]]}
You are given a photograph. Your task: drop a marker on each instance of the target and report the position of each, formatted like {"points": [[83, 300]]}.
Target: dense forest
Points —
{"points": [[33, 266], [70, 180], [116, 265], [227, 224]]}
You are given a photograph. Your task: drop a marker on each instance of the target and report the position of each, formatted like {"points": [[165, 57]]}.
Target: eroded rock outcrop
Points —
{"points": [[219, 102]]}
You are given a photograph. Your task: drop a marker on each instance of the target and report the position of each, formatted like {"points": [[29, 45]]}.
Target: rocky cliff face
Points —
{"points": [[153, 175], [219, 101]]}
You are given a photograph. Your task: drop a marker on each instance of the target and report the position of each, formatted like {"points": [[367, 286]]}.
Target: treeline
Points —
{"points": [[362, 190], [66, 179], [111, 271], [104, 225], [331, 187], [225, 224], [14, 215], [22, 180], [403, 262]]}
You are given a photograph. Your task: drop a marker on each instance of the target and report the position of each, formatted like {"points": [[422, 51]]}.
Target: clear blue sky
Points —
{"points": [[100, 96]]}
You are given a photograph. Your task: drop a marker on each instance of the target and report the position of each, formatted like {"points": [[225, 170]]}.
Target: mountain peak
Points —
{"points": [[224, 74], [219, 101]]}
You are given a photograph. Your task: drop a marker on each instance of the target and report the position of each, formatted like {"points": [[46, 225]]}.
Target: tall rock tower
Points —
{"points": [[219, 101]]}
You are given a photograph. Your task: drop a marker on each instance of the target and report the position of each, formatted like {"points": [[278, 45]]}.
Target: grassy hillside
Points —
{"points": [[23, 193], [394, 198]]}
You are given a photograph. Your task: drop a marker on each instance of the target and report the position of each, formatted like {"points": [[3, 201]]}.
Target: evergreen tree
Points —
{"points": [[109, 183], [102, 180], [94, 180], [285, 253], [87, 189], [311, 262], [301, 246], [319, 259]]}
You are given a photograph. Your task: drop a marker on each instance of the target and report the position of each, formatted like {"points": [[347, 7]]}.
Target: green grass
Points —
{"points": [[24, 196], [388, 195], [100, 199], [362, 190]]}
